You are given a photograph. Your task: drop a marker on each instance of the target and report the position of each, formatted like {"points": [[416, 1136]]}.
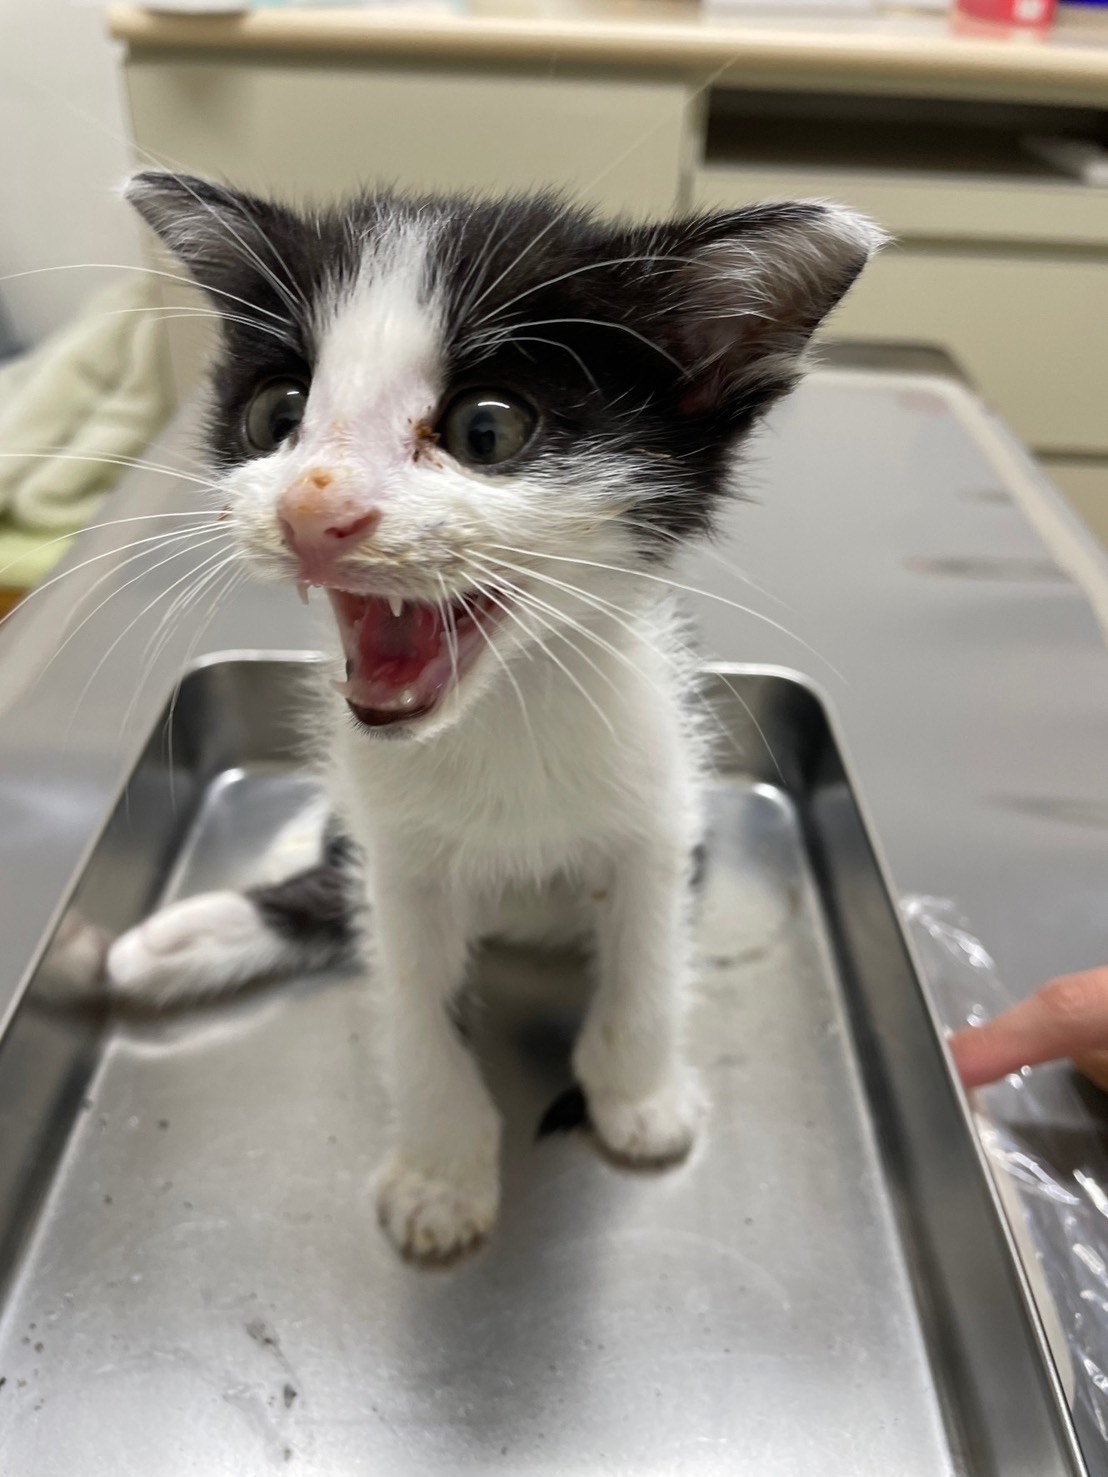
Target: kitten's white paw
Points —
{"points": [[435, 1218], [652, 1130], [193, 948]]}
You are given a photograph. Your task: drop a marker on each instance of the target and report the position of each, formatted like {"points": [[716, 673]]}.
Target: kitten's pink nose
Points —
{"points": [[321, 517]]}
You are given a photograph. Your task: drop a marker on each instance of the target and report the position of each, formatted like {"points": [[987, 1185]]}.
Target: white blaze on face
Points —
{"points": [[377, 369]]}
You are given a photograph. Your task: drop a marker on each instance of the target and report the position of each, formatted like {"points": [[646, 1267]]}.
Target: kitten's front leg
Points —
{"points": [[439, 1192], [643, 1100]]}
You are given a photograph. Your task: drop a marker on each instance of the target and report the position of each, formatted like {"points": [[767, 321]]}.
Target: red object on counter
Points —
{"points": [[1024, 14]]}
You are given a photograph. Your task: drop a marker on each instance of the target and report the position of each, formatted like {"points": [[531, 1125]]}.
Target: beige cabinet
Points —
{"points": [[319, 131]]}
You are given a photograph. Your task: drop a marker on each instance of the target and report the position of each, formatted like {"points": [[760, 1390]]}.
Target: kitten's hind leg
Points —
{"points": [[219, 941]]}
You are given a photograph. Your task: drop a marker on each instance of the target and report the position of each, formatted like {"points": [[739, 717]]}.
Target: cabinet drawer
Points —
{"points": [[1029, 327], [1031, 333], [320, 131], [1038, 209]]}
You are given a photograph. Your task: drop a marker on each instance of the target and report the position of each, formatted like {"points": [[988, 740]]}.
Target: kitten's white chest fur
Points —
{"points": [[549, 774]]}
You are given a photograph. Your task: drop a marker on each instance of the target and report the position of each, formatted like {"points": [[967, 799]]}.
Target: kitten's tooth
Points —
{"points": [[396, 605], [408, 698], [302, 591]]}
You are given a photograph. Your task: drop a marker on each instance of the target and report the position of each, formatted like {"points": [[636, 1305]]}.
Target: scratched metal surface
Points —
{"points": [[970, 682], [205, 1290]]}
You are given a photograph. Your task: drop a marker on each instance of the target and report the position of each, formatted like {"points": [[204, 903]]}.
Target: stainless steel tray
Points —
{"points": [[195, 1283]]}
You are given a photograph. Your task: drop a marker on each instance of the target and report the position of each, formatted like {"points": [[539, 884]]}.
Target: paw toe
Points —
{"points": [[432, 1218], [653, 1130]]}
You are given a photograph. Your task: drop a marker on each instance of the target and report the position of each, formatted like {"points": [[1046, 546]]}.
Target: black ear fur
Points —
{"points": [[746, 289], [226, 239]]}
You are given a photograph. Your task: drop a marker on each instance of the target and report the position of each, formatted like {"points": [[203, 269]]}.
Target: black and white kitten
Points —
{"points": [[485, 429]]}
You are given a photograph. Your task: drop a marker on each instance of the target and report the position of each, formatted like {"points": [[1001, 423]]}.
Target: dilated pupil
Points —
{"points": [[486, 427], [284, 420], [274, 414], [483, 436]]}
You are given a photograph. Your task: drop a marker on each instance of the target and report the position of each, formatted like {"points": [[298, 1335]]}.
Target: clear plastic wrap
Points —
{"points": [[1039, 1129]]}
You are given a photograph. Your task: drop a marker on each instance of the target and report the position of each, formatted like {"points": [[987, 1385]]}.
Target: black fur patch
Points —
{"points": [[648, 345], [568, 1111], [317, 905]]}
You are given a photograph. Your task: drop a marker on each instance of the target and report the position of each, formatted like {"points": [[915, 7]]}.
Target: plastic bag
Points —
{"points": [[1038, 1128]]}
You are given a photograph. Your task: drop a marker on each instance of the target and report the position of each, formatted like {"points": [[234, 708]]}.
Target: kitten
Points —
{"points": [[485, 429]]}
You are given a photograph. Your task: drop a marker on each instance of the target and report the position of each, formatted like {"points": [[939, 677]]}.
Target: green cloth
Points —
{"points": [[98, 388]]}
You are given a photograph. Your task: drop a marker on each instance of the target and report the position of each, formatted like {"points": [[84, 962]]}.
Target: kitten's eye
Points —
{"points": [[485, 427], [274, 413]]}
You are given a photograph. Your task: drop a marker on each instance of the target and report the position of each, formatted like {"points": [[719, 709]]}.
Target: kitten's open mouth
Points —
{"points": [[402, 656]]}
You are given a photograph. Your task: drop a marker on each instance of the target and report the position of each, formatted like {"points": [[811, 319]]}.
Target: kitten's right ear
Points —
{"points": [[222, 236]]}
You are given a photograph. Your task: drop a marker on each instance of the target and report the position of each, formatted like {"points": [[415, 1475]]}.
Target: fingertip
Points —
{"points": [[976, 1057]]}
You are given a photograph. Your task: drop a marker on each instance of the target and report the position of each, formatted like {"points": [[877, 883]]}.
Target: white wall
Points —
{"points": [[62, 154]]}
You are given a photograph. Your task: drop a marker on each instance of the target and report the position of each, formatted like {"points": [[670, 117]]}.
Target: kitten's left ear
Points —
{"points": [[747, 290]]}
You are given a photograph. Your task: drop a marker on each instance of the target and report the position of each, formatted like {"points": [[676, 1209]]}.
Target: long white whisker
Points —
{"points": [[282, 289], [538, 608], [108, 523], [722, 731], [612, 261], [67, 573], [605, 323], [586, 190], [712, 553], [516, 338], [611, 612], [470, 284], [707, 712], [491, 595], [170, 311], [161, 595], [220, 220], [107, 461], [193, 644], [163, 633], [202, 472], [605, 607], [147, 272], [677, 585], [617, 613], [449, 626], [505, 668], [185, 548]]}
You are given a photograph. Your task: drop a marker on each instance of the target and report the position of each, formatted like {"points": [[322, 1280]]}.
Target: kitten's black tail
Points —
{"points": [[219, 941]]}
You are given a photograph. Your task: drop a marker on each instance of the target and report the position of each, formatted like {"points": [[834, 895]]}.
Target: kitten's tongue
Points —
{"points": [[397, 666]]}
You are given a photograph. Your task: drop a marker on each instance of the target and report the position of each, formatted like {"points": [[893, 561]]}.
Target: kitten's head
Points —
{"points": [[472, 422]]}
